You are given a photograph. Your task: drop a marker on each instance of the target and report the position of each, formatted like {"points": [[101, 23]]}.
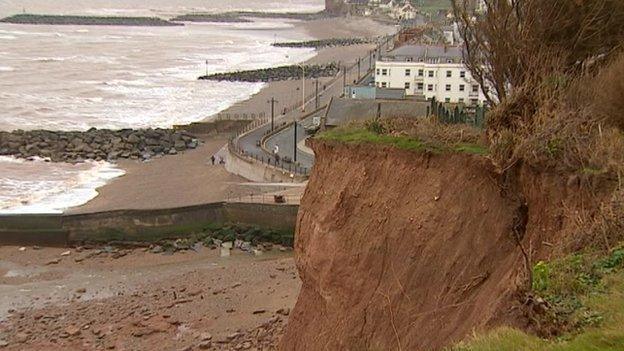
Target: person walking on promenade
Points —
{"points": [[212, 158]]}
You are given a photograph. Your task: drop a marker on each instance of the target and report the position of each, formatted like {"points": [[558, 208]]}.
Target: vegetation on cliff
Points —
{"points": [[584, 295], [419, 134]]}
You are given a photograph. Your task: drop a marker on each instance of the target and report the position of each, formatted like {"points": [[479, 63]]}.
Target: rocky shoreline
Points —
{"points": [[95, 144], [89, 20], [276, 73], [323, 43]]}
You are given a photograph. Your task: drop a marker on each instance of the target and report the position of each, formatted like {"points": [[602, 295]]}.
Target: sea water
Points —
{"points": [[79, 77]]}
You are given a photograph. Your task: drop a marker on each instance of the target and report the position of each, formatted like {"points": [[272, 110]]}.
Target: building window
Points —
{"points": [[407, 85], [462, 87], [461, 100], [378, 84], [421, 73], [377, 71], [408, 72], [449, 74], [448, 99], [384, 72], [475, 88], [421, 86], [462, 74], [384, 84], [448, 87], [474, 101], [430, 73], [430, 87]]}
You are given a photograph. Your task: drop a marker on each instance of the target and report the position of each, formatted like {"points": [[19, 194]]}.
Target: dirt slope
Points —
{"points": [[400, 250]]}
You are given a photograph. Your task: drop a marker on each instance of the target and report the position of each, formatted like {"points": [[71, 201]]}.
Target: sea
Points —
{"points": [[79, 77]]}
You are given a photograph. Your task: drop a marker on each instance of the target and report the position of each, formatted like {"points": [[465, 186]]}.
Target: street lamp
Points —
{"points": [[302, 86]]}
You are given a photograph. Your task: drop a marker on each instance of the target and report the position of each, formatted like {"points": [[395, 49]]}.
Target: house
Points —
{"points": [[428, 71], [407, 11]]}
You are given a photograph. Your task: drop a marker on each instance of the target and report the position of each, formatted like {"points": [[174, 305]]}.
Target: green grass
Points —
{"points": [[587, 289], [361, 135], [432, 6]]}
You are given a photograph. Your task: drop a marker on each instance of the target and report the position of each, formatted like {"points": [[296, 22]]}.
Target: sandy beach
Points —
{"points": [[190, 178]]}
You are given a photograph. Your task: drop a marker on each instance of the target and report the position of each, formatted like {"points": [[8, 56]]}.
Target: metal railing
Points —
{"points": [[284, 165], [264, 198]]}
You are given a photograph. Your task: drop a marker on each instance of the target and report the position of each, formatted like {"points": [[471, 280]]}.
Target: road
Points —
{"points": [[250, 143]]}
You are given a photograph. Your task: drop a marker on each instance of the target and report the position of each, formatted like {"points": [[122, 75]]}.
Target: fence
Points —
{"points": [[284, 165], [471, 115], [239, 116], [266, 199]]}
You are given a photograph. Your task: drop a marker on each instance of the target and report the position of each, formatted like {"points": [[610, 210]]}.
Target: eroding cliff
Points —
{"points": [[402, 250]]}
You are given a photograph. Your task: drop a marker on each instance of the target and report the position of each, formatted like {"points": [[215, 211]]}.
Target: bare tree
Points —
{"points": [[520, 46]]}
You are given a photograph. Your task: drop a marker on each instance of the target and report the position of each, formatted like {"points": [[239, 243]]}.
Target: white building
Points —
{"points": [[429, 71]]}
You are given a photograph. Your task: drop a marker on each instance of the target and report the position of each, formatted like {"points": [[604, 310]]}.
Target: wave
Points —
{"points": [[44, 187], [6, 69]]}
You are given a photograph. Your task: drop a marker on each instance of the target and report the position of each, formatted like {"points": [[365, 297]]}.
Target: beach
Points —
{"points": [[190, 178]]}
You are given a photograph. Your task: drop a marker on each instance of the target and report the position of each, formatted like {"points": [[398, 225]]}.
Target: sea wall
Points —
{"points": [[139, 225]]}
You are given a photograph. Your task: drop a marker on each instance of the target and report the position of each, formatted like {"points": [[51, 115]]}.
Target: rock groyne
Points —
{"points": [[276, 74], [243, 16], [323, 43], [89, 20], [95, 144]]}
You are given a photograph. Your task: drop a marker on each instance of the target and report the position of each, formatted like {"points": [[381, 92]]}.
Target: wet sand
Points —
{"points": [[143, 300]]}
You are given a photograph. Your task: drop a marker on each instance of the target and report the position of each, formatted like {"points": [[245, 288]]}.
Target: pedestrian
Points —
{"points": [[212, 158]]}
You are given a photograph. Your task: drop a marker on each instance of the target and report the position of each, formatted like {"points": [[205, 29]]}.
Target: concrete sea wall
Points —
{"points": [[139, 225]]}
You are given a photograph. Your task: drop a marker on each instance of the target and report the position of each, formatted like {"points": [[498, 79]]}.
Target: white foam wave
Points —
{"points": [[6, 69], [45, 187]]}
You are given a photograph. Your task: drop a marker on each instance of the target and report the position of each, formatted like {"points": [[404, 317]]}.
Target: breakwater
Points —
{"points": [[242, 16], [276, 73], [95, 144], [89, 20], [323, 43]]}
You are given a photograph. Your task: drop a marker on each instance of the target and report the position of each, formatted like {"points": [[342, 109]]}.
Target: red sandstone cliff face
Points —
{"points": [[406, 251]]}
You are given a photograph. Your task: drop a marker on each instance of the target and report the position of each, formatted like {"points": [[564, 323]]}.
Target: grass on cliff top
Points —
{"points": [[586, 294], [360, 134]]}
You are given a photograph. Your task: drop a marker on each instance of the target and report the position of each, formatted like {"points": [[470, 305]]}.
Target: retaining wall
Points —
{"points": [[258, 171], [139, 225]]}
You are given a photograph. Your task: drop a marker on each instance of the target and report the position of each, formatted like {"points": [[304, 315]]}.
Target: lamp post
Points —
{"points": [[272, 102], [302, 87]]}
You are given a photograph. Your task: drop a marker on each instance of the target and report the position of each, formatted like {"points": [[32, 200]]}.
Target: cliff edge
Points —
{"points": [[403, 250]]}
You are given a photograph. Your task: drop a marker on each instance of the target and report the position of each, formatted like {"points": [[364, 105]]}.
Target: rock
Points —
{"points": [[261, 311], [81, 290], [205, 336], [53, 261], [205, 345], [3, 343], [21, 337], [22, 249], [66, 253], [157, 249], [283, 311], [72, 330]]}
